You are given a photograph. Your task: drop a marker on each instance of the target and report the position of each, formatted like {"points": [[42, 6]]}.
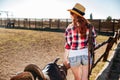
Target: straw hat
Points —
{"points": [[78, 9]]}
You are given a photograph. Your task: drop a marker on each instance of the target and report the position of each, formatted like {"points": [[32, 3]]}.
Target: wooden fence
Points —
{"points": [[110, 42], [100, 25]]}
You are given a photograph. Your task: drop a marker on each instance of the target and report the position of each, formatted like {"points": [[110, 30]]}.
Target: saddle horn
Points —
{"points": [[36, 71]]}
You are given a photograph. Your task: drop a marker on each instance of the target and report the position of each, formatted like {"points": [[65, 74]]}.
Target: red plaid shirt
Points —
{"points": [[73, 39]]}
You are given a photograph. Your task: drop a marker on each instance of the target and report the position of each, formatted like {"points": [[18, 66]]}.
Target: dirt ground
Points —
{"points": [[18, 48]]}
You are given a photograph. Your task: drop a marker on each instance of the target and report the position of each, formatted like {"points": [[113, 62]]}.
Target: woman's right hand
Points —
{"points": [[66, 61]]}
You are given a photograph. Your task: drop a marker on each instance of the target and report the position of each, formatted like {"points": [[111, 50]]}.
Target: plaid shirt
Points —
{"points": [[73, 39]]}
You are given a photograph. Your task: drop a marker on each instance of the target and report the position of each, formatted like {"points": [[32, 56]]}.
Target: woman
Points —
{"points": [[76, 45]]}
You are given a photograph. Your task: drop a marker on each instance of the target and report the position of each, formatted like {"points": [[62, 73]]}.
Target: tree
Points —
{"points": [[109, 18], [91, 17]]}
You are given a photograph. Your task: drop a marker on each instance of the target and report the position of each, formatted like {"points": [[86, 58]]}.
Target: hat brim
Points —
{"points": [[70, 10]]}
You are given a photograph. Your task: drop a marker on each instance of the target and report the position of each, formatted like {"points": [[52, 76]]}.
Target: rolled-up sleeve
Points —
{"points": [[68, 39]]}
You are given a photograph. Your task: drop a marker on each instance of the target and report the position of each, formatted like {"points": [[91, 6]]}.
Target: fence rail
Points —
{"points": [[110, 42], [101, 25]]}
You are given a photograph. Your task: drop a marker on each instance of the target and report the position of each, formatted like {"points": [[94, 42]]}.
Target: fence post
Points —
{"points": [[42, 23], [35, 23], [18, 22], [118, 34], [90, 50], [29, 23], [113, 26], [50, 23], [24, 23], [99, 26], [58, 23], [66, 22], [14, 22], [0, 21], [109, 46]]}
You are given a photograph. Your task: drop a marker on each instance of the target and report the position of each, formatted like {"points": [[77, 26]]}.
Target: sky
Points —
{"points": [[100, 9]]}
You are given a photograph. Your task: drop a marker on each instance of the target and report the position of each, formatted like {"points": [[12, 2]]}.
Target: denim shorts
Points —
{"points": [[79, 60]]}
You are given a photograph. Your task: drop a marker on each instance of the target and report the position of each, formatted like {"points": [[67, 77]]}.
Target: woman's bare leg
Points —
{"points": [[85, 72], [77, 72]]}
